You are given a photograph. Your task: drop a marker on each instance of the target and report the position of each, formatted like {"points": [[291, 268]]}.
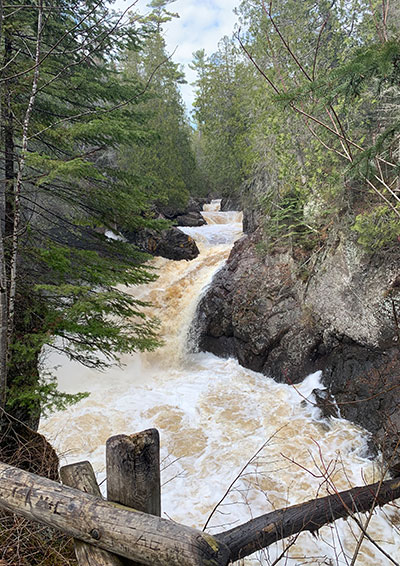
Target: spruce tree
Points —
{"points": [[169, 164], [65, 113]]}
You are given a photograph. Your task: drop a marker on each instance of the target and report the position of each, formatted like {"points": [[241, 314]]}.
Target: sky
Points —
{"points": [[202, 23]]}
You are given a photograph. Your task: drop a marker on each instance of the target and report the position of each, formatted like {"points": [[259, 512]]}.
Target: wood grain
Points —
{"points": [[81, 476], [309, 516], [120, 530], [133, 473]]}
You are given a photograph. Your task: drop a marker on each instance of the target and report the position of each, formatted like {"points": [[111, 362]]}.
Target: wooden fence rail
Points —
{"points": [[110, 534]]}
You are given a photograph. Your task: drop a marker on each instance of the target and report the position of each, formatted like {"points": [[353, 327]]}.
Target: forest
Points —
{"points": [[296, 121]]}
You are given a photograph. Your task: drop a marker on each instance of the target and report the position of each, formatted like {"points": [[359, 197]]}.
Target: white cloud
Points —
{"points": [[202, 23]]}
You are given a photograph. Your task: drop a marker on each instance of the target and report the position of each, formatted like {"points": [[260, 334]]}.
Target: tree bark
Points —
{"points": [[19, 181], [3, 330], [6, 220], [310, 516], [157, 542], [133, 471]]}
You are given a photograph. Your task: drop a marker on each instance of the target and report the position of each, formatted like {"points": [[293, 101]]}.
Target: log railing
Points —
{"points": [[127, 528]]}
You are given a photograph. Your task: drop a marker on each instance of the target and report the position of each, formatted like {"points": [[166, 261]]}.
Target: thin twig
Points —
{"points": [[240, 473]]}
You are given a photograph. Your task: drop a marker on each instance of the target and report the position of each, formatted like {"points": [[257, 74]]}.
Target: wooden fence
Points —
{"points": [[126, 529]]}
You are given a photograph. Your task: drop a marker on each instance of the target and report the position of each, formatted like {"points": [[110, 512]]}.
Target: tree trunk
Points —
{"points": [[157, 542], [81, 476], [7, 221], [310, 516], [133, 471], [3, 330]]}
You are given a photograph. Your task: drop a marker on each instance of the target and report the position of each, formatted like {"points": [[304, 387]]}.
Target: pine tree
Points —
{"points": [[65, 111], [168, 164]]}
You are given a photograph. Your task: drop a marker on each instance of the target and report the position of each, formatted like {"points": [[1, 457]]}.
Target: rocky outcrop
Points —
{"points": [[190, 219], [253, 311], [365, 383], [338, 316], [188, 215], [170, 243], [230, 203]]}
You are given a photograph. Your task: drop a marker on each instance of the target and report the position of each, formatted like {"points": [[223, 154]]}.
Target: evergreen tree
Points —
{"points": [[312, 128], [221, 118], [168, 164], [64, 110]]}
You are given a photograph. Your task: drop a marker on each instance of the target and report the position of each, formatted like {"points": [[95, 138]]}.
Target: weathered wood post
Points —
{"points": [[81, 476], [133, 472], [126, 532]]}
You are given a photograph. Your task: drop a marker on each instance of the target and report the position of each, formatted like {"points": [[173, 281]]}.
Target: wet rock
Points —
{"points": [[170, 243], [252, 220], [230, 203], [172, 212], [339, 319], [190, 219], [326, 402], [254, 302], [169, 212], [365, 383], [196, 204]]}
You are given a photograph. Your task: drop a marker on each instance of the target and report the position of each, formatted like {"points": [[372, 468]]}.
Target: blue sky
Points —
{"points": [[201, 25]]}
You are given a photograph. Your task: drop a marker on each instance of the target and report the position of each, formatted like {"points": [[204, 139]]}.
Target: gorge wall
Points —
{"points": [[342, 318]]}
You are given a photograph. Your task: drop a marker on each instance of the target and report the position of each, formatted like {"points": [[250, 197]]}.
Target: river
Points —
{"points": [[214, 415]]}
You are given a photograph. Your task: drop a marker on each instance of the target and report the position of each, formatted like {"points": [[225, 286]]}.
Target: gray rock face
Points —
{"points": [[170, 243], [194, 205], [253, 311], [230, 203], [190, 219], [351, 292], [341, 320]]}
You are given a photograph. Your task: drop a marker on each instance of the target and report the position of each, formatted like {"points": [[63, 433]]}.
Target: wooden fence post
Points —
{"points": [[82, 477], [133, 472]]}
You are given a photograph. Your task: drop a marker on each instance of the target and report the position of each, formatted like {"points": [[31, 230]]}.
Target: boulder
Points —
{"points": [[230, 203], [172, 212], [190, 219], [170, 243], [253, 311], [168, 211], [196, 204]]}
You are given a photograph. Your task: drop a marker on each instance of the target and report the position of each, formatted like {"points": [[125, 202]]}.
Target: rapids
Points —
{"points": [[214, 415]]}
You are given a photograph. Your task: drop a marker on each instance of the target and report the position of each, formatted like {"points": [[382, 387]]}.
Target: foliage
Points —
{"points": [[66, 122], [168, 165], [377, 229], [221, 119], [315, 100]]}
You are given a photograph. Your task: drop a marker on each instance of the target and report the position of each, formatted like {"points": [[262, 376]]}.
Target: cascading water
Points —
{"points": [[213, 416]]}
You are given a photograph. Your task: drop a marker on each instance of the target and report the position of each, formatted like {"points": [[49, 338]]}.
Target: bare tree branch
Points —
{"points": [[310, 516]]}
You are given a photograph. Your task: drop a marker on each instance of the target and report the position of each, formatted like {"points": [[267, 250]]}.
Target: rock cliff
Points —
{"points": [[341, 317]]}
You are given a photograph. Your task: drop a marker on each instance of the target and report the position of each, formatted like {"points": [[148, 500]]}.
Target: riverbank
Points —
{"points": [[335, 310]]}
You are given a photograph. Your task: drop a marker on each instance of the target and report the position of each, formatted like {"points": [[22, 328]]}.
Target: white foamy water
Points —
{"points": [[213, 416]]}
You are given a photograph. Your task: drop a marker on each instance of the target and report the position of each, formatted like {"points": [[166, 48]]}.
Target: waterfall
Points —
{"points": [[213, 415]]}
